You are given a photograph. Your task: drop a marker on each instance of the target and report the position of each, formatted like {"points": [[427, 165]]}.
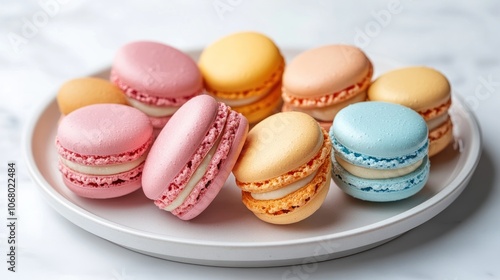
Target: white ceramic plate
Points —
{"points": [[227, 234]]}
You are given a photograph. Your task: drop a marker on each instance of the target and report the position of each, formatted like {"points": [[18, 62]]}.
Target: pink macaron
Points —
{"points": [[156, 79], [102, 149], [193, 156]]}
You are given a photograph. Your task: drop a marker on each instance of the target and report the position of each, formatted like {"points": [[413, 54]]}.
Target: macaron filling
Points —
{"points": [[282, 192], [429, 113], [326, 113], [193, 181], [103, 169], [370, 173], [148, 98], [101, 160], [396, 184], [437, 122], [101, 181], [153, 111], [330, 98]]}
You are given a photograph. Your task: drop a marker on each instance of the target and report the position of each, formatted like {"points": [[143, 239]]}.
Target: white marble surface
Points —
{"points": [[44, 43]]}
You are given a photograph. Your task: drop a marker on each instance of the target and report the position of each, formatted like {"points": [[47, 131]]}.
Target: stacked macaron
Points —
{"points": [[156, 79], [323, 80], [193, 156], [380, 151], [102, 149], [284, 168], [244, 70], [424, 90]]}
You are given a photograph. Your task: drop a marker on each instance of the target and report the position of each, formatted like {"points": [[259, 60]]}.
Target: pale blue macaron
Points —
{"points": [[380, 136]]}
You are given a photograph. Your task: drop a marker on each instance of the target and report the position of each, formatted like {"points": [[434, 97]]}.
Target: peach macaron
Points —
{"points": [[322, 81]]}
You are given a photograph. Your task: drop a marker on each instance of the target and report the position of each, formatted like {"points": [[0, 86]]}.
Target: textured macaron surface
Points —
{"points": [[325, 70], [239, 62], [81, 92], [104, 134], [419, 88], [278, 144], [379, 135], [153, 69]]}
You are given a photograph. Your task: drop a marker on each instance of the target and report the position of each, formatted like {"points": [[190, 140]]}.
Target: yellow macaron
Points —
{"points": [[81, 92], [284, 168], [244, 70], [424, 90]]}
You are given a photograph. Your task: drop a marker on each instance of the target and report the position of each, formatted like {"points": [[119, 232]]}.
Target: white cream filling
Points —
{"points": [[103, 169], [153, 111], [195, 178], [437, 122], [239, 102], [282, 192], [328, 113], [377, 173]]}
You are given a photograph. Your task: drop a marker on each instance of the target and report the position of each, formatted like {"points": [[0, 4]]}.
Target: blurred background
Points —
{"points": [[44, 43]]}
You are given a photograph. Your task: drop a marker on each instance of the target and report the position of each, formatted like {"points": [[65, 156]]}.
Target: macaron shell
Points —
{"points": [[325, 70], [379, 129], [157, 69], [102, 187], [419, 88], [81, 92], [278, 144], [177, 142], [240, 61], [104, 130], [223, 173]]}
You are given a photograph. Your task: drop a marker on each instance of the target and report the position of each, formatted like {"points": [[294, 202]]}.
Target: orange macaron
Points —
{"points": [[424, 90], [284, 169], [244, 70]]}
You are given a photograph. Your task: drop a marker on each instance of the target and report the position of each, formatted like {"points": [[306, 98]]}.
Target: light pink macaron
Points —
{"points": [[193, 156], [156, 78], [102, 149]]}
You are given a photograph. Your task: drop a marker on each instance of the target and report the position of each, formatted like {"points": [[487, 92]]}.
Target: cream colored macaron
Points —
{"points": [[284, 168], [424, 90], [82, 92]]}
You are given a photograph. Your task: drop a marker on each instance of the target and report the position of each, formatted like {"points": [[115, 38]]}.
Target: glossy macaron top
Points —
{"points": [[80, 92], [103, 130], [325, 70], [420, 88], [157, 69], [239, 62], [177, 142], [379, 129], [278, 144]]}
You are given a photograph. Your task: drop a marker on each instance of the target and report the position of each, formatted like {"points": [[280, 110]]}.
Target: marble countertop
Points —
{"points": [[44, 43]]}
